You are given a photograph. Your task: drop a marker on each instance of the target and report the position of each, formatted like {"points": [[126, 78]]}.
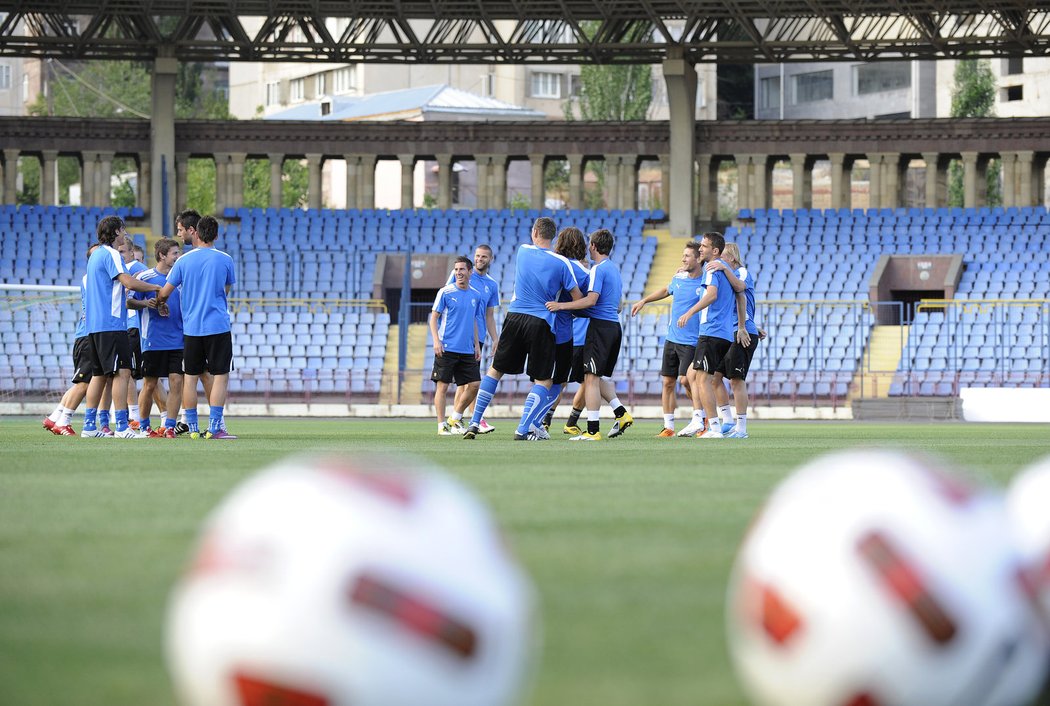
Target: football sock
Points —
{"points": [[741, 422], [669, 421], [169, 423], [456, 416], [594, 424], [485, 393], [133, 411], [122, 419], [539, 418], [164, 419], [191, 420], [90, 417], [214, 419], [56, 414], [144, 422], [533, 403], [549, 417], [725, 414], [67, 417], [103, 417], [574, 418], [182, 415], [619, 410]]}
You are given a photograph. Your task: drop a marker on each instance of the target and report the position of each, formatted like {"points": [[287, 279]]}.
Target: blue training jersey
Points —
{"points": [[134, 267], [718, 320], [458, 309], [489, 290], [539, 275], [160, 333], [82, 321], [565, 321], [203, 275], [685, 293], [105, 308], [606, 280], [744, 275]]}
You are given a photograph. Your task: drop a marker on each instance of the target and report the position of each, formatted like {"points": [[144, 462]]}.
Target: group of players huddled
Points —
{"points": [[563, 325], [137, 323]]}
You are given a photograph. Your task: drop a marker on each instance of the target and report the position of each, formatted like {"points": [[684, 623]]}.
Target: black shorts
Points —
{"points": [[460, 368], [213, 354], [161, 364], [738, 360], [81, 360], [562, 362], [710, 350], [677, 359], [576, 374], [136, 353], [109, 352], [525, 337], [602, 349]]}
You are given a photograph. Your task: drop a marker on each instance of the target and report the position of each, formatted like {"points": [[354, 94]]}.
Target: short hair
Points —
{"points": [[544, 227], [718, 242], [188, 218], [164, 246], [207, 229], [465, 260], [695, 247], [571, 243], [732, 254], [138, 248], [603, 240], [484, 246], [107, 229]]}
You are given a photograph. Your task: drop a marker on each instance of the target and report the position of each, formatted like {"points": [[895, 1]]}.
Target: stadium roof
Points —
{"points": [[524, 31], [439, 102]]}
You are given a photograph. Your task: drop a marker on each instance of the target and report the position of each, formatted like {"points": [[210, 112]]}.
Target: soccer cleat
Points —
{"points": [[156, 433], [692, 428], [136, 425], [523, 437], [711, 434], [572, 430], [106, 431], [181, 427], [456, 425], [63, 431], [169, 432], [728, 427], [665, 433], [587, 436], [472, 431], [485, 427], [130, 433], [48, 424], [734, 434], [620, 425], [92, 434], [445, 429], [540, 433], [220, 434]]}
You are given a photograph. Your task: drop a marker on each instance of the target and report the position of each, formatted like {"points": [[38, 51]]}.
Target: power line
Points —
{"points": [[99, 93]]}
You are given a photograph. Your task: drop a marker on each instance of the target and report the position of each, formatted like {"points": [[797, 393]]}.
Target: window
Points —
{"points": [[273, 93], [321, 87], [543, 84], [297, 90], [1012, 93], [769, 93], [574, 85], [1013, 66], [344, 80], [875, 78], [25, 88], [815, 86], [5, 77]]}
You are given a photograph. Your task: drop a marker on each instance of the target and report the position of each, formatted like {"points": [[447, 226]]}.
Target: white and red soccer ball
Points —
{"points": [[874, 578], [1028, 502], [325, 582]]}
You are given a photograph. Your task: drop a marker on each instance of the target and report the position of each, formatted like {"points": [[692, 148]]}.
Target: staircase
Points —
{"points": [[667, 260], [413, 383], [880, 361]]}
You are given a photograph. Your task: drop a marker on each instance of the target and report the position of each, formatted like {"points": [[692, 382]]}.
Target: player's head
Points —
{"points": [[731, 254], [137, 252], [461, 269], [711, 246], [691, 256], [166, 251], [123, 246], [207, 229], [186, 224], [602, 241], [109, 229], [482, 258], [543, 230], [571, 243]]}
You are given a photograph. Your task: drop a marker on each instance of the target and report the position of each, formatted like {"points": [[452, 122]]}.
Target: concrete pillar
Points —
{"points": [[222, 182], [1025, 160], [537, 162], [891, 180], [612, 181], [839, 180], [48, 177], [10, 176], [368, 181], [982, 180], [707, 191], [236, 179], [313, 170], [482, 162], [408, 163], [88, 168], [1008, 162], [3, 182], [180, 194], [276, 179], [1039, 180], [933, 172], [762, 184], [801, 182], [165, 194], [680, 76], [665, 182], [629, 181], [145, 193], [104, 194], [875, 180], [743, 181], [498, 195], [575, 180], [444, 191], [353, 180], [969, 160]]}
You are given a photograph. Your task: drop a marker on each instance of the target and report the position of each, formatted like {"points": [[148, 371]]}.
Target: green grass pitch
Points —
{"points": [[628, 540]]}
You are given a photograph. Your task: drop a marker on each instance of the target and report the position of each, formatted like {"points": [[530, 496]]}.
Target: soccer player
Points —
{"points": [[717, 326], [106, 315], [60, 421], [205, 275], [185, 230], [457, 352], [680, 346], [133, 259], [162, 341], [602, 348], [481, 280], [526, 342]]}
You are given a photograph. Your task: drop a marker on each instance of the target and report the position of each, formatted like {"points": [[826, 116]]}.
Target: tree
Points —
{"points": [[973, 96]]}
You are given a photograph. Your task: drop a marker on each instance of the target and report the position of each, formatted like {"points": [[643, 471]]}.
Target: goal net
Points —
{"points": [[37, 326]]}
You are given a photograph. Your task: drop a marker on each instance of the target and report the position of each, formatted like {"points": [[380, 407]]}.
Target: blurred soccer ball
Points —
{"points": [[872, 578], [1028, 502], [324, 582]]}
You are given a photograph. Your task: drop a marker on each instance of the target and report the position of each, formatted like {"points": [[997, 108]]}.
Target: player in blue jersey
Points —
{"points": [[717, 308], [602, 303], [133, 259], [185, 231], [60, 422], [486, 284], [457, 350], [680, 345], [162, 341], [526, 342], [205, 275], [106, 317]]}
